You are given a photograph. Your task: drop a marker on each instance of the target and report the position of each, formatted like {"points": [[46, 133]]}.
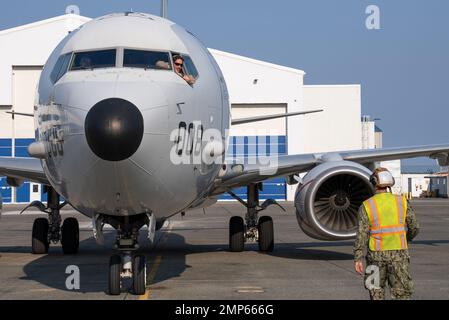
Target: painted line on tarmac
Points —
{"points": [[249, 289], [155, 268], [17, 213], [150, 278]]}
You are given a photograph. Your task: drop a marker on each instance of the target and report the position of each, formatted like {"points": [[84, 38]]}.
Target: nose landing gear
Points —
{"points": [[126, 265]]}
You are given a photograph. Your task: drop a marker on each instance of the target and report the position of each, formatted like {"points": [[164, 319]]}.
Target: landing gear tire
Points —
{"points": [[115, 268], [70, 236], [266, 234], [139, 274], [39, 241], [236, 234]]}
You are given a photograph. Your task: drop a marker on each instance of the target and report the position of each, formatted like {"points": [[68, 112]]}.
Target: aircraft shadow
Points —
{"points": [[93, 260], [313, 250], [166, 260]]}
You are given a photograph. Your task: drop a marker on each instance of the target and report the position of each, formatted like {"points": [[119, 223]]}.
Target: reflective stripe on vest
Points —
{"points": [[386, 213]]}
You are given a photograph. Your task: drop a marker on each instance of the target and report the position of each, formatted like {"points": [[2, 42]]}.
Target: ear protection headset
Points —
{"points": [[382, 178]]}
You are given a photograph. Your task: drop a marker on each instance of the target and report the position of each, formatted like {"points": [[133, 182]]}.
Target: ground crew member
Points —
{"points": [[386, 224]]}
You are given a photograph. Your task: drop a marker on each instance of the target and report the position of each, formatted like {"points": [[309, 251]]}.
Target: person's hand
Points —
{"points": [[189, 79], [358, 265]]}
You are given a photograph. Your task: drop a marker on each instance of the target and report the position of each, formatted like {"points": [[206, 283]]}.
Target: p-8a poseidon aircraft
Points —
{"points": [[108, 102]]}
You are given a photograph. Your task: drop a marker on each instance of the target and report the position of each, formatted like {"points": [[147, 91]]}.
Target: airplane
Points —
{"points": [[114, 123]]}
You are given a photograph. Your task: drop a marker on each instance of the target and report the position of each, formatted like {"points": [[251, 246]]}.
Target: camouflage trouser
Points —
{"points": [[396, 272]]}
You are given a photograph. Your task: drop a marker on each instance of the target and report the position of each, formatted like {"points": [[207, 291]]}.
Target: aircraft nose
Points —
{"points": [[114, 129]]}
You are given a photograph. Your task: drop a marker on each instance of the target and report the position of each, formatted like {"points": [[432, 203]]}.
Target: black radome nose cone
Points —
{"points": [[114, 129]]}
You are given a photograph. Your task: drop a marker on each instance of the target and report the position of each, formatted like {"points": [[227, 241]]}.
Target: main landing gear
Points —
{"points": [[47, 230], [253, 229]]}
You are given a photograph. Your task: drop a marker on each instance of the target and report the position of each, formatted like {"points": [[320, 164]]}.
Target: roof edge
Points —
{"points": [[333, 85], [255, 61], [43, 22]]}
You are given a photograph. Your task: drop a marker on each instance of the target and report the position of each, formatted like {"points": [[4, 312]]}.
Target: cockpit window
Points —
{"points": [[184, 67], [190, 67], [94, 59], [146, 59], [60, 68]]}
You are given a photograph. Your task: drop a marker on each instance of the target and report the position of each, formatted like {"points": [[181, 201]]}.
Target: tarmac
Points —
{"points": [[190, 260]]}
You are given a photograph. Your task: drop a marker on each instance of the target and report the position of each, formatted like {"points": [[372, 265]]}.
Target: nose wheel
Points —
{"points": [[114, 279], [139, 274], [126, 266]]}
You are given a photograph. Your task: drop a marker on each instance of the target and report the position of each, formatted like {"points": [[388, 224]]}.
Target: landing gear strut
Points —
{"points": [[253, 228], [126, 264], [46, 230]]}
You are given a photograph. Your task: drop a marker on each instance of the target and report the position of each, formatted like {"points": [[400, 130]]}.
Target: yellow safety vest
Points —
{"points": [[386, 214]]}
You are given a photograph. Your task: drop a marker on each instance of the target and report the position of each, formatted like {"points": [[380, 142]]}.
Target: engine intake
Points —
{"points": [[329, 197]]}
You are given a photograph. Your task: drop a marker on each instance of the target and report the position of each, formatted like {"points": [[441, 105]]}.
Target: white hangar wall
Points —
{"points": [[338, 127], [31, 45], [253, 83]]}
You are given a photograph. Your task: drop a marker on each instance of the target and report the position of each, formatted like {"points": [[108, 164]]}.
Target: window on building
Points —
{"points": [[60, 68], [94, 60], [146, 59]]}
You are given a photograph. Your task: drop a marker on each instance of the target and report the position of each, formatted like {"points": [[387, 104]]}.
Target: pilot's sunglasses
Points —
{"points": [[178, 64]]}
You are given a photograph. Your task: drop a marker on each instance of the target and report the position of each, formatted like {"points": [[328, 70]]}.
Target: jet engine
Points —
{"points": [[328, 199]]}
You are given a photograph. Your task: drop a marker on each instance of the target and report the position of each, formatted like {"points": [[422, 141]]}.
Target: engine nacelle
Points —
{"points": [[328, 199]]}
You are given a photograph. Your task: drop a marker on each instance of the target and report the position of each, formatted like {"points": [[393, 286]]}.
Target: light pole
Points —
{"points": [[164, 9]]}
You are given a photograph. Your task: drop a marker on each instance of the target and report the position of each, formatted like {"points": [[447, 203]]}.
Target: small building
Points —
{"points": [[415, 185], [438, 185]]}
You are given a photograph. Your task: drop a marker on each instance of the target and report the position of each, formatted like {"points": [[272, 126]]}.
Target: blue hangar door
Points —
{"points": [[249, 146], [23, 193]]}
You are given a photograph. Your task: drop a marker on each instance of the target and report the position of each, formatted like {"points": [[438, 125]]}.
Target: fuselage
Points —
{"points": [[115, 122]]}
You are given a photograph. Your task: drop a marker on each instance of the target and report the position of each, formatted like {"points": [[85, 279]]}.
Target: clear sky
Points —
{"points": [[403, 67]]}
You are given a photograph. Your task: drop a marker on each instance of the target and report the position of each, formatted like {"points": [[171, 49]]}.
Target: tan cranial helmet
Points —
{"points": [[382, 178]]}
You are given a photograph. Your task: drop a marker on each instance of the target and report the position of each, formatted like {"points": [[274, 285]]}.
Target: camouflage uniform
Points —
{"points": [[393, 265]]}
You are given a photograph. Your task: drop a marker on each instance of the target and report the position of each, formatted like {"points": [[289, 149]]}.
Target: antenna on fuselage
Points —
{"points": [[164, 9]]}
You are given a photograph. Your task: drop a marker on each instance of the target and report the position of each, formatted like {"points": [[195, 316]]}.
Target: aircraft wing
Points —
{"points": [[243, 173], [29, 169]]}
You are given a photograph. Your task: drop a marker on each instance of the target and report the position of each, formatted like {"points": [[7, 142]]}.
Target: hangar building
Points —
{"points": [[255, 88]]}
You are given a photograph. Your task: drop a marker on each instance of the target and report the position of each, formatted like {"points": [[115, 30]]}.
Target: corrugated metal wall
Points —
{"points": [[20, 150], [242, 147]]}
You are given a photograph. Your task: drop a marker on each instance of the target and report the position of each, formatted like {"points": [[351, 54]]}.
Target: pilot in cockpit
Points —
{"points": [[85, 63], [179, 63], [163, 65]]}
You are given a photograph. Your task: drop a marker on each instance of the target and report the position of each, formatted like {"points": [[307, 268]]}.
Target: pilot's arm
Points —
{"points": [[189, 79]]}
